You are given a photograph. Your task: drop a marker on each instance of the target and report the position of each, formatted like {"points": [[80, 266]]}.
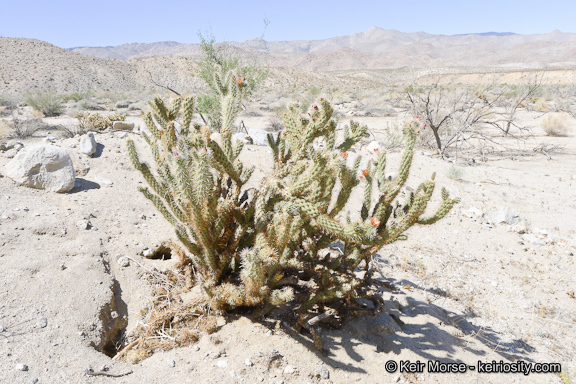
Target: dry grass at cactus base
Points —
{"points": [[287, 248]]}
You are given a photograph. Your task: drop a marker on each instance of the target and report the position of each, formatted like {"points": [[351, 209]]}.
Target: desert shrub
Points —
{"points": [[4, 130], [96, 121], [539, 104], [22, 128], [275, 125], [76, 96], [71, 130], [454, 172], [268, 247], [91, 104], [47, 103], [555, 124], [7, 105]]}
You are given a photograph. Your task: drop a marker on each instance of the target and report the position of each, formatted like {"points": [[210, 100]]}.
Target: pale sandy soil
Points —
{"points": [[468, 289]]}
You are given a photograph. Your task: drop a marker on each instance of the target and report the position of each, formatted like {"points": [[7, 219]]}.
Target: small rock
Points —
{"points": [[323, 372], [214, 355], [511, 251], [33, 380], [88, 144], [288, 370], [123, 125], [221, 321], [196, 348], [473, 212], [122, 135], [171, 362], [260, 136], [506, 215], [84, 224], [147, 253], [248, 362], [424, 153], [43, 322], [222, 363], [241, 136], [124, 262], [532, 239], [21, 367], [518, 228]]}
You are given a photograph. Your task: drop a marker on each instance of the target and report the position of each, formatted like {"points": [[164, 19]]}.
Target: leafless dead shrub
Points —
{"points": [[25, 127], [549, 149], [71, 130]]}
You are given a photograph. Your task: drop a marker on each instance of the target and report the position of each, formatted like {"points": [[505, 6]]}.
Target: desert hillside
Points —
{"points": [[28, 65], [377, 48]]}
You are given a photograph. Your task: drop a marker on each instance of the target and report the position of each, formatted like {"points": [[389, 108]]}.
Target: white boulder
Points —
{"points": [[260, 136], [43, 167], [88, 144]]}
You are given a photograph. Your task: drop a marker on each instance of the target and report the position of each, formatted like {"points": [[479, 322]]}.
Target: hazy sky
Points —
{"points": [[101, 23]]}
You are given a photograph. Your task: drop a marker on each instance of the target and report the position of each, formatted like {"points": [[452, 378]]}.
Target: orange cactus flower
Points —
{"points": [[365, 172], [374, 221], [344, 154], [240, 80]]}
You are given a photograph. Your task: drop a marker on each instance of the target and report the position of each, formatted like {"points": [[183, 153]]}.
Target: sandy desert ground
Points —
{"points": [[467, 289]]}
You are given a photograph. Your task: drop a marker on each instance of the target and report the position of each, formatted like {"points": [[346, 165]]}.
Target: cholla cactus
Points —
{"points": [[264, 246]]}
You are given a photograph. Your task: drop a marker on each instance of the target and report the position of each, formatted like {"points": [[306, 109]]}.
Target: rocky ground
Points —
{"points": [[492, 281]]}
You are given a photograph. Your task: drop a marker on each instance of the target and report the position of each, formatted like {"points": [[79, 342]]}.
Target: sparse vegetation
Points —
{"points": [[463, 115], [555, 124], [454, 172], [97, 121], [46, 102], [268, 247], [75, 96], [71, 130], [22, 128]]}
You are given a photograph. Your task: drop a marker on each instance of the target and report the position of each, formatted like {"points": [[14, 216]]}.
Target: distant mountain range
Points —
{"points": [[365, 59], [378, 48]]}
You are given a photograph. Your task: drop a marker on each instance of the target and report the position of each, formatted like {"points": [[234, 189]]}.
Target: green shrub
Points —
{"points": [[47, 103], [76, 96], [267, 247]]}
